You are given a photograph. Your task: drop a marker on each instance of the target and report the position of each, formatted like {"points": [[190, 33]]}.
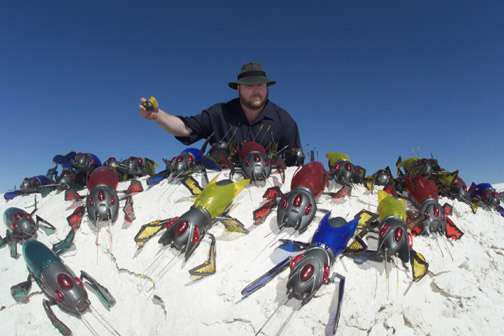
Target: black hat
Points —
{"points": [[251, 74]]}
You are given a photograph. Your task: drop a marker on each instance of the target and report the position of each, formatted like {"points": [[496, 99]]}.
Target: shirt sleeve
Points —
{"points": [[296, 139], [201, 126], [290, 133]]}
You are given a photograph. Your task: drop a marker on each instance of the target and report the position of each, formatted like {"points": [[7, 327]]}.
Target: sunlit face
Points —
{"points": [[253, 96]]}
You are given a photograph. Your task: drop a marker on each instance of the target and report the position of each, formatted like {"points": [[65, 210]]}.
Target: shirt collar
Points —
{"points": [[266, 113]]}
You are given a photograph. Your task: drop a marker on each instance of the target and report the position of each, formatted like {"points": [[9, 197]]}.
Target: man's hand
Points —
{"points": [[148, 108]]}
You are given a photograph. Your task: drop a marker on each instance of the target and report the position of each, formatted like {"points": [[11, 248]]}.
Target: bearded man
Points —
{"points": [[250, 117]]}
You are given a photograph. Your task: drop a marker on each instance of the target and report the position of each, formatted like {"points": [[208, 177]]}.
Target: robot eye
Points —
{"points": [[307, 272], [297, 200], [65, 281], [59, 296], [436, 211], [101, 195], [196, 235], [182, 228], [308, 209], [384, 230], [284, 203], [296, 260], [398, 233]]}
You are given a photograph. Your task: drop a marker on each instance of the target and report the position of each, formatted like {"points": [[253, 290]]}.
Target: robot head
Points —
{"points": [[111, 163], [458, 189], [135, 166], [84, 162], [68, 179], [183, 164], [186, 232], [256, 166], [102, 204], [424, 167], [490, 197], [293, 156], [381, 177], [308, 272], [346, 173], [296, 209], [393, 239], [30, 184], [435, 216], [20, 223], [65, 287]]}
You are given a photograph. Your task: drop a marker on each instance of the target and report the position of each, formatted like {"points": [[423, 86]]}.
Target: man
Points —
{"points": [[250, 117]]}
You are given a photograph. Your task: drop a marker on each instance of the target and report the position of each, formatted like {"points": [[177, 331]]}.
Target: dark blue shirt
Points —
{"points": [[273, 124]]}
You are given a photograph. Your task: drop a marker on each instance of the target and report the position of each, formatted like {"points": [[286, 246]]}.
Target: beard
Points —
{"points": [[253, 103]]}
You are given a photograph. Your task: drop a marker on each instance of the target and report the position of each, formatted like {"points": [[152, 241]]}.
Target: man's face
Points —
{"points": [[253, 96]]}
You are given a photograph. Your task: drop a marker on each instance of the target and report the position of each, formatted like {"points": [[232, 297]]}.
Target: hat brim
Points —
{"points": [[251, 80]]}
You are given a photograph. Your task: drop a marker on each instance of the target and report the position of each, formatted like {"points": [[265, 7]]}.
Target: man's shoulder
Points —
{"points": [[277, 108], [274, 109], [225, 110]]}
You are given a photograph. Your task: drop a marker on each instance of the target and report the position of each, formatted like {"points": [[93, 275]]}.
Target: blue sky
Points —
{"points": [[372, 79]]}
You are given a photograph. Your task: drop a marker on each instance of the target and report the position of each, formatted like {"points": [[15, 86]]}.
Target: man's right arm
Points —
{"points": [[170, 123]]}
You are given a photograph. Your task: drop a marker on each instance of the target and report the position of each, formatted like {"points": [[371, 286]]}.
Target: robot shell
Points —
{"points": [[421, 188], [55, 278]]}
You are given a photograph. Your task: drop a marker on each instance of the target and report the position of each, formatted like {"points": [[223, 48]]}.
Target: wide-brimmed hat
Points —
{"points": [[251, 74]]}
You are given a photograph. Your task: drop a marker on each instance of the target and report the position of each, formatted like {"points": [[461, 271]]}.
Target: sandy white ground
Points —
{"points": [[463, 293]]}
